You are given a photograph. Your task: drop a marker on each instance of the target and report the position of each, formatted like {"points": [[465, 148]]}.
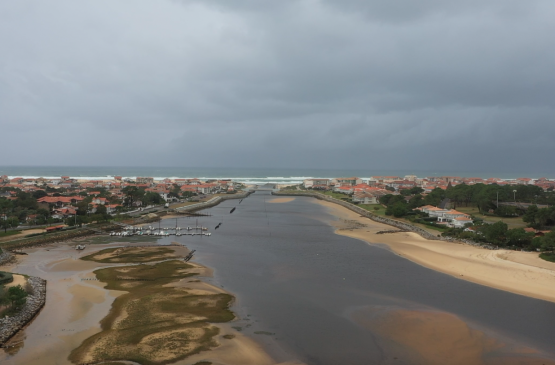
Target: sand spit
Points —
{"points": [[517, 272]]}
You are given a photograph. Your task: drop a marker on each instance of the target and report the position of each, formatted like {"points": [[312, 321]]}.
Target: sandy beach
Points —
{"points": [[517, 272]]}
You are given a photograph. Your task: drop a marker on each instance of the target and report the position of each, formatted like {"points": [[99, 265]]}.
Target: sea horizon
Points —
{"points": [[253, 175]]}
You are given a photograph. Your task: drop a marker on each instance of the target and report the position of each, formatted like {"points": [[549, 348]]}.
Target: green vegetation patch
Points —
{"points": [[5, 277], [9, 233], [548, 256], [152, 323], [131, 255]]}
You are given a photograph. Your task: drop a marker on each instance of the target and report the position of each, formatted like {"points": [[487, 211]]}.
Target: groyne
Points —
{"points": [[9, 326], [212, 202], [389, 221]]}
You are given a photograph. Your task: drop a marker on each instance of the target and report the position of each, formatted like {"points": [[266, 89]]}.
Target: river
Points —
{"points": [[310, 295]]}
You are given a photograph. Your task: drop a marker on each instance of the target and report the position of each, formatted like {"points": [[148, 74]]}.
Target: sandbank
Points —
{"points": [[513, 271], [280, 200]]}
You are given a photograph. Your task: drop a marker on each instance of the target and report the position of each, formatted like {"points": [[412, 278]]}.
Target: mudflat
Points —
{"points": [[125, 306]]}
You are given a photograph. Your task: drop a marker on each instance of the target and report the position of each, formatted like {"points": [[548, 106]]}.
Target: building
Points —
{"points": [[346, 181], [145, 180], [311, 183], [365, 198]]}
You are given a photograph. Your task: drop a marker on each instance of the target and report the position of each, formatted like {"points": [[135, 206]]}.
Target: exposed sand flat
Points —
{"points": [[517, 272], [239, 350], [407, 334], [280, 200], [17, 280], [84, 298]]}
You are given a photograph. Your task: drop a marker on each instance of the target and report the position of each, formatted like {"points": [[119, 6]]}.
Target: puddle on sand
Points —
{"points": [[430, 337]]}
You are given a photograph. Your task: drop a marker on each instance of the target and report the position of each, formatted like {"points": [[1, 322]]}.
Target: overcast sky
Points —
{"points": [[289, 83]]}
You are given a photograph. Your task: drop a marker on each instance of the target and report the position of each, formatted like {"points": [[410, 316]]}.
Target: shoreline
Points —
{"points": [[517, 272]]}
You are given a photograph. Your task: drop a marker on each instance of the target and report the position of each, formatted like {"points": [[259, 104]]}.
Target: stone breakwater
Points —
{"points": [[391, 222], [212, 202], [9, 326]]}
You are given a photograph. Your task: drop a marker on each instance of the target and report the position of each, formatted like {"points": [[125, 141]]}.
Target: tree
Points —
{"points": [[546, 242], [530, 216], [39, 194], [519, 237], [399, 209], [5, 206], [17, 296], [132, 194], [495, 233], [152, 198], [542, 216], [415, 202]]}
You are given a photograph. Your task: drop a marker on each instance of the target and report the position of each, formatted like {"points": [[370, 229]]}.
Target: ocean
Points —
{"points": [[245, 175]]}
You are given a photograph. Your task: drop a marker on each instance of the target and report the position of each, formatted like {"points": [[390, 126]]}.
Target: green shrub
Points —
{"points": [[5, 277]]}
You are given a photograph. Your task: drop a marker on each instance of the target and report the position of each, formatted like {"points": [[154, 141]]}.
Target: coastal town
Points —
{"points": [[36, 201], [517, 213]]}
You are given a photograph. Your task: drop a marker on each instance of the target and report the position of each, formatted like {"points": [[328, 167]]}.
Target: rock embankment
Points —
{"points": [[9, 326], [6, 257]]}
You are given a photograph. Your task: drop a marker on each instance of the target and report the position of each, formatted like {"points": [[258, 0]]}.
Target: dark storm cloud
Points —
{"points": [[354, 84]]}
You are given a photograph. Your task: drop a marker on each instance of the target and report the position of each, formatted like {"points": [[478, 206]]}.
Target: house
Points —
{"points": [[57, 201], [310, 183], [460, 222], [99, 200], [190, 188], [344, 189], [111, 208], [375, 180], [64, 212], [145, 180], [346, 181], [365, 198]]}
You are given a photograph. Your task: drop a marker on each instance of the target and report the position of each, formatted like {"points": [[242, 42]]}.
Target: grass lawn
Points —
{"points": [[512, 222], [335, 195], [9, 233], [371, 208]]}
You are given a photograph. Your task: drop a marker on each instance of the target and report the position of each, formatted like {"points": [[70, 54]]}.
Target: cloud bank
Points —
{"points": [[293, 83]]}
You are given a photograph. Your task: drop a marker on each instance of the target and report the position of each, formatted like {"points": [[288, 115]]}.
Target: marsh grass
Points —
{"points": [[153, 324], [131, 255]]}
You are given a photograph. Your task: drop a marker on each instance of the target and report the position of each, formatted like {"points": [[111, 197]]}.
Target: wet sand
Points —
{"points": [[280, 200], [77, 302], [516, 272], [431, 337]]}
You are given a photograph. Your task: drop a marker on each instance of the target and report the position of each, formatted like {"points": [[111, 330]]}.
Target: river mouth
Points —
{"points": [[306, 294]]}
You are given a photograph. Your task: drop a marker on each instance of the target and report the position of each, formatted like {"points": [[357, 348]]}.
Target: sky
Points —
{"points": [[355, 84]]}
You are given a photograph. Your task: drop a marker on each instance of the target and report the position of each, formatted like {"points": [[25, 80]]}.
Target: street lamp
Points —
{"points": [[514, 193]]}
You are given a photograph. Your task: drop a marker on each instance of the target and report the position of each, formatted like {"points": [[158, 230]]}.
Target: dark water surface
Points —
{"points": [[298, 285]]}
